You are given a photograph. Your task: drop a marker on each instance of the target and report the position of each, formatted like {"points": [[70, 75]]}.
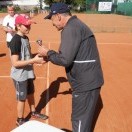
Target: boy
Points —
{"points": [[22, 68]]}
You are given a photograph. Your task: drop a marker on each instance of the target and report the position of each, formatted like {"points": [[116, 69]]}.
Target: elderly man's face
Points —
{"points": [[57, 21]]}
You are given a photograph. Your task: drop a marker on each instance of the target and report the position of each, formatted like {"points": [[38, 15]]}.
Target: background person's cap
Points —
{"points": [[24, 20], [58, 8]]}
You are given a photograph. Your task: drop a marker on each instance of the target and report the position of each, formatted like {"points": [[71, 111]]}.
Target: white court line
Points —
{"points": [[114, 43], [10, 77], [98, 43], [47, 94], [103, 43]]}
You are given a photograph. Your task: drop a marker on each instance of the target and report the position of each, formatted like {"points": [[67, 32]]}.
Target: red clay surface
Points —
{"points": [[52, 89]]}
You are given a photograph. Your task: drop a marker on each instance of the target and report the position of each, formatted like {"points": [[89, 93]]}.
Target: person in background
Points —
{"points": [[9, 23], [22, 71], [78, 53]]}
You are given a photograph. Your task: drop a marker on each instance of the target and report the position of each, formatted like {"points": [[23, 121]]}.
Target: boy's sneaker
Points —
{"points": [[20, 121], [38, 115]]}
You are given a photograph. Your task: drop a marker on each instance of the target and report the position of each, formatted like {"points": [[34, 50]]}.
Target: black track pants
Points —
{"points": [[83, 108]]}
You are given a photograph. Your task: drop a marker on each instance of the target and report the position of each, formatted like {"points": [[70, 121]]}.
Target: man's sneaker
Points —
{"points": [[20, 121], [38, 115]]}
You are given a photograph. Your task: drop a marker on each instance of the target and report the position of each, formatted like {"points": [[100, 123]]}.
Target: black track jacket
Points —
{"points": [[79, 55]]}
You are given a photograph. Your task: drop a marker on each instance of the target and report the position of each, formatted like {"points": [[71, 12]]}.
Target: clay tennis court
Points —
{"points": [[52, 94]]}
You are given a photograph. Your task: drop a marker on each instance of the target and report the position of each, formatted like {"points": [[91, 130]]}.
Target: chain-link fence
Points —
{"points": [[125, 8]]}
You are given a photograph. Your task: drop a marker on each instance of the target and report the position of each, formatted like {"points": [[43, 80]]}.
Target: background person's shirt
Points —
{"points": [[9, 20]]}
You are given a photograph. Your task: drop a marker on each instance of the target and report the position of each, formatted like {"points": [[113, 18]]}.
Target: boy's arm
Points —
{"points": [[20, 63]]}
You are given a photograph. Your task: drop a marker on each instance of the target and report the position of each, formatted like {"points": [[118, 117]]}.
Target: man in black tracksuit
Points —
{"points": [[79, 55]]}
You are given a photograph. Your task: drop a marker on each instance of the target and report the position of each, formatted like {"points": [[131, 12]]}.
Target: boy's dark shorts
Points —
{"points": [[24, 88]]}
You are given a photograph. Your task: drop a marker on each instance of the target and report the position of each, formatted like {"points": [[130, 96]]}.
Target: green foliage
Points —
{"points": [[35, 9], [78, 2], [17, 8], [49, 2], [105, 0], [83, 5], [3, 10]]}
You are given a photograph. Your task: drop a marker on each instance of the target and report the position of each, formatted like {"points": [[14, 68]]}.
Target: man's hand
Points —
{"points": [[42, 50], [39, 59]]}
